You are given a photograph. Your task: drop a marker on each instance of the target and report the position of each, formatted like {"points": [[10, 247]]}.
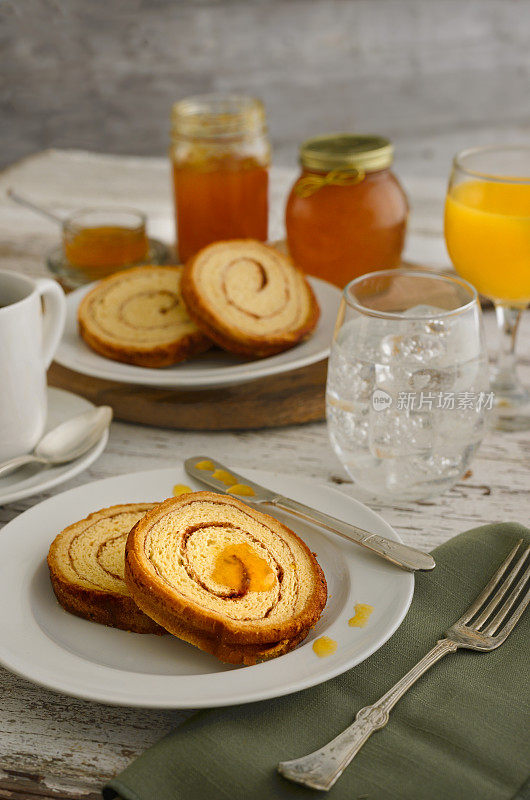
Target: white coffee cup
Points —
{"points": [[28, 339]]}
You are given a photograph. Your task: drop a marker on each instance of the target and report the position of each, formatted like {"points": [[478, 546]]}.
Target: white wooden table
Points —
{"points": [[56, 746]]}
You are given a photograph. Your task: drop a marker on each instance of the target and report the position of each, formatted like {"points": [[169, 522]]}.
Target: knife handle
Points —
{"points": [[402, 555]]}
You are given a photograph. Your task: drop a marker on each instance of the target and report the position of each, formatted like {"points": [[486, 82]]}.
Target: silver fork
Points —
{"points": [[485, 625]]}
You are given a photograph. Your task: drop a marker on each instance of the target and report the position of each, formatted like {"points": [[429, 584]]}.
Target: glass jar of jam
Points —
{"points": [[220, 154], [347, 213]]}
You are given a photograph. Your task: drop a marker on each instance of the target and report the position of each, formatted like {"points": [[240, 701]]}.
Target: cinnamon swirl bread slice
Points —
{"points": [[224, 577], [138, 316], [249, 298], [86, 563]]}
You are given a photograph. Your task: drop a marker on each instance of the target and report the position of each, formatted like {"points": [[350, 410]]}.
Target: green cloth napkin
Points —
{"points": [[461, 733]]}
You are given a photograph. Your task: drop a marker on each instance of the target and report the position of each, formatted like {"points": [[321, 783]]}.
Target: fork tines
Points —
{"points": [[502, 598]]}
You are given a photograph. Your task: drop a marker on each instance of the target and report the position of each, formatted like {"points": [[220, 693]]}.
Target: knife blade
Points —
{"points": [[402, 555]]}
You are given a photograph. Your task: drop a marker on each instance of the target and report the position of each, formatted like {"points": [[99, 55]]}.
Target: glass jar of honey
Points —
{"points": [[220, 155], [347, 213]]}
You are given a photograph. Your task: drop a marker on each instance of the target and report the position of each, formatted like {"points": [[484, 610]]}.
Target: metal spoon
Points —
{"points": [[66, 442], [23, 201]]}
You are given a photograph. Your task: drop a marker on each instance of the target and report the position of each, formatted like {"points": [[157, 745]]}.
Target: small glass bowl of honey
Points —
{"points": [[96, 242]]}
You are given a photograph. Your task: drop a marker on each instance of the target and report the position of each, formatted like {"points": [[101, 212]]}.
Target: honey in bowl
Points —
{"points": [[98, 242]]}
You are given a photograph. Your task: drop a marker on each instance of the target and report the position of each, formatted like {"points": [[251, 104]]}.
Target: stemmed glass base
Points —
{"points": [[512, 405], [512, 399]]}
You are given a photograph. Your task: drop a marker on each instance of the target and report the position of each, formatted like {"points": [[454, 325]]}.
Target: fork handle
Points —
{"points": [[320, 770]]}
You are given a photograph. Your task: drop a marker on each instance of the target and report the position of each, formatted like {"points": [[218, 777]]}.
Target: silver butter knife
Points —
{"points": [[401, 555]]}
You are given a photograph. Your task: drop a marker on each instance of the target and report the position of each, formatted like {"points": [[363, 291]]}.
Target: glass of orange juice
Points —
{"points": [[487, 232]]}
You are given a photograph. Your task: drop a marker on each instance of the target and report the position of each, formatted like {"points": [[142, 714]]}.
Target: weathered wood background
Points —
{"points": [[435, 76]]}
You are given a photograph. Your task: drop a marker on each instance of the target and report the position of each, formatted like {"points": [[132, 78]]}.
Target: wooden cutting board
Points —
{"points": [[291, 398]]}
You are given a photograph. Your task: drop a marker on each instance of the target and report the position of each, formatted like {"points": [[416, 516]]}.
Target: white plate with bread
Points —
{"points": [[249, 603], [238, 311]]}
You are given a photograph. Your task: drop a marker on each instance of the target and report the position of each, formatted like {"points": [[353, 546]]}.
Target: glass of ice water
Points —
{"points": [[407, 393]]}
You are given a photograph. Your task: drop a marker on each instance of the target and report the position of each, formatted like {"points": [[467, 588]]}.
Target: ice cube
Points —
{"points": [[414, 347], [463, 339], [395, 432], [348, 377], [347, 423]]}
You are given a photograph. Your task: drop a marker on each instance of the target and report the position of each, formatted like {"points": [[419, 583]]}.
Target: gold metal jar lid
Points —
{"points": [[217, 115], [346, 151]]}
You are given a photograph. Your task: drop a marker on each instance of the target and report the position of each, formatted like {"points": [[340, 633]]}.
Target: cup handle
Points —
{"points": [[54, 316]]}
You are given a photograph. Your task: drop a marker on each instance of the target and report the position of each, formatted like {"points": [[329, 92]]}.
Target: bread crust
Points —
{"points": [[115, 611], [155, 356], [245, 655], [223, 334], [106, 607], [159, 356], [180, 615]]}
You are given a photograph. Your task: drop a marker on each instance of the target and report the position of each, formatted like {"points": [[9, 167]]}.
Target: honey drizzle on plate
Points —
{"points": [[361, 616], [181, 488], [324, 646]]}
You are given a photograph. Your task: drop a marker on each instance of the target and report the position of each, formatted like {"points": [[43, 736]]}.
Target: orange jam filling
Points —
{"points": [[324, 646], [181, 488], [224, 476], [242, 570], [362, 615], [206, 465], [105, 248], [241, 489]]}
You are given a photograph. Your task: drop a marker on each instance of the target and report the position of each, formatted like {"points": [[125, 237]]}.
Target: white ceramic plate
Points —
{"points": [[49, 646], [214, 368], [33, 479]]}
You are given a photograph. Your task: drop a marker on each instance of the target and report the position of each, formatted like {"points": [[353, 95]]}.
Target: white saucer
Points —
{"points": [[33, 479], [214, 368], [49, 646]]}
